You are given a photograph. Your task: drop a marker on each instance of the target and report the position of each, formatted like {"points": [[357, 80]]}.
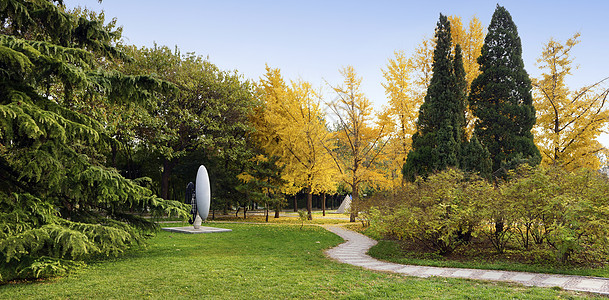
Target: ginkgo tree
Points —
{"points": [[360, 136], [403, 111], [294, 128], [568, 122]]}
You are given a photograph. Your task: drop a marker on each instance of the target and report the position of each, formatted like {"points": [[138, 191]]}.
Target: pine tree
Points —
{"points": [[501, 98], [59, 203], [441, 122]]}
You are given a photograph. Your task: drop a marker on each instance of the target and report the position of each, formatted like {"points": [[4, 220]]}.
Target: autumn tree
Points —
{"points": [[59, 201], [294, 124], [441, 123], [403, 109], [360, 142], [500, 96], [568, 122]]}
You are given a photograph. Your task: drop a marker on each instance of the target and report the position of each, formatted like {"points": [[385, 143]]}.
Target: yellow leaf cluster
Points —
{"points": [[292, 126], [568, 122], [361, 136], [402, 112]]}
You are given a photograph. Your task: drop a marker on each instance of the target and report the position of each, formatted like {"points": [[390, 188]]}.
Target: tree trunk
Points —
{"points": [[167, 168], [244, 211], [114, 153], [295, 204], [309, 203], [354, 200], [266, 211], [323, 205]]}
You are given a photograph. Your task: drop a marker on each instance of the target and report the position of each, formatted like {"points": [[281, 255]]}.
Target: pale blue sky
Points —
{"points": [[313, 39]]}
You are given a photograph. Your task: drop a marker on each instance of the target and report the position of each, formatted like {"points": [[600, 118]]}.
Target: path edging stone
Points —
{"points": [[354, 252]]}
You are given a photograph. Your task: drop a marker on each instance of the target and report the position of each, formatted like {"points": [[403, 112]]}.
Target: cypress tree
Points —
{"points": [[460, 91], [500, 96], [476, 158], [441, 122]]}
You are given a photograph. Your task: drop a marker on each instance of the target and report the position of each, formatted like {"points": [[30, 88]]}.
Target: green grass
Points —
{"points": [[390, 251], [254, 262]]}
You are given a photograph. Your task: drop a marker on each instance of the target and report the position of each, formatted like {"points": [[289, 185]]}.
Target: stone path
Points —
{"points": [[353, 251]]}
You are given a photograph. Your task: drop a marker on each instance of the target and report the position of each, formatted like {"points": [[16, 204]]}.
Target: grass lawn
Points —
{"points": [[254, 262]]}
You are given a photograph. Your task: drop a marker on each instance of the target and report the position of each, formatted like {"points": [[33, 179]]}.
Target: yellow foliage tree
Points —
{"points": [[360, 141], [471, 42], [294, 129], [568, 122], [403, 110]]}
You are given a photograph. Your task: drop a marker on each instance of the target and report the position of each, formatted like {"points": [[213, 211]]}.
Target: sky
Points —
{"points": [[312, 40]]}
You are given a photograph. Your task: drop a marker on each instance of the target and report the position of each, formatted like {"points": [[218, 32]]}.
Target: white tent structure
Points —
{"points": [[344, 206]]}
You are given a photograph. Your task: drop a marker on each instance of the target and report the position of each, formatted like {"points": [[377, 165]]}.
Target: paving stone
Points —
{"points": [[409, 269], [491, 275], [556, 280], [463, 273], [355, 261], [372, 265], [434, 271], [523, 277], [387, 267], [591, 284]]}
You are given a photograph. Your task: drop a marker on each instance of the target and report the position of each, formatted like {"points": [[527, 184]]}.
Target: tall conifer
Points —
{"points": [[441, 122], [500, 96], [59, 203]]}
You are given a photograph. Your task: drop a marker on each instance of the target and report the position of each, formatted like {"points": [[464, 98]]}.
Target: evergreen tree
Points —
{"points": [[263, 182], [476, 158], [441, 122], [500, 96], [460, 91], [59, 203]]}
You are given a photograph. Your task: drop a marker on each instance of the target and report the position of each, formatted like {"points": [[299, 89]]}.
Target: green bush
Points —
{"points": [[536, 210], [441, 212]]}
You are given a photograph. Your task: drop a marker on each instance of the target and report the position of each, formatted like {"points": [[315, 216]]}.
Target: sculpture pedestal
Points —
{"points": [[197, 222], [202, 229]]}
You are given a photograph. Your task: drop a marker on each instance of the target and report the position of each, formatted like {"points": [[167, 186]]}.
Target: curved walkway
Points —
{"points": [[353, 251]]}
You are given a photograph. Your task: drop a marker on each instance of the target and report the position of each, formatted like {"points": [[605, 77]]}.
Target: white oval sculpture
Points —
{"points": [[203, 192]]}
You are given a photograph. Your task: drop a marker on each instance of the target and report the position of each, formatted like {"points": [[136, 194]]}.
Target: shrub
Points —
{"points": [[580, 217], [440, 212], [537, 210]]}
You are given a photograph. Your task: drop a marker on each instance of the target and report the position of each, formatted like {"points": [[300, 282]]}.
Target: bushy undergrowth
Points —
{"points": [[549, 212]]}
